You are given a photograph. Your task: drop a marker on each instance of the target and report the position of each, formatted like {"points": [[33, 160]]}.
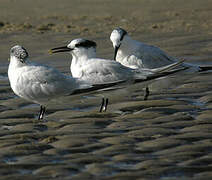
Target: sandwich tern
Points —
{"points": [[86, 66], [39, 83], [135, 54]]}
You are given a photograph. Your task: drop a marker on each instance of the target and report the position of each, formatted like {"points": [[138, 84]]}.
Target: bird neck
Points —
{"points": [[14, 62], [127, 43], [79, 59], [83, 55], [127, 48]]}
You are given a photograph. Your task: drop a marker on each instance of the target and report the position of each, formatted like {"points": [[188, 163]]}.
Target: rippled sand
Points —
{"points": [[166, 137]]}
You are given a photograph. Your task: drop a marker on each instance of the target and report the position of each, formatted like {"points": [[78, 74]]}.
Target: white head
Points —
{"points": [[117, 37], [78, 47], [18, 54]]}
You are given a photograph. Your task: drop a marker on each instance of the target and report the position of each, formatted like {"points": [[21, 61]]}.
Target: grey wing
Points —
{"points": [[152, 56], [49, 81], [102, 71]]}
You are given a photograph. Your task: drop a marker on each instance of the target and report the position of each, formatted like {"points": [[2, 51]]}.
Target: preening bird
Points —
{"points": [[136, 54]]}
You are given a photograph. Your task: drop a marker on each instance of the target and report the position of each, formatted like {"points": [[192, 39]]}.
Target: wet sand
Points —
{"points": [[166, 137]]}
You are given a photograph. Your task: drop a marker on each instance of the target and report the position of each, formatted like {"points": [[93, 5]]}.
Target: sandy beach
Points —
{"points": [[167, 137]]}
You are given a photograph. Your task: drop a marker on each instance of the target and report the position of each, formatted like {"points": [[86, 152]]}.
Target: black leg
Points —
{"points": [[42, 112], [102, 105], [105, 106], [41, 109], [146, 94]]}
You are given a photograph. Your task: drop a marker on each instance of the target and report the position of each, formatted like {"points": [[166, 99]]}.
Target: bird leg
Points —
{"points": [[105, 105], [146, 93], [42, 112], [102, 105]]}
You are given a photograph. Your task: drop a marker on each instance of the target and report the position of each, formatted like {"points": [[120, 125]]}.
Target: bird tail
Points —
{"points": [[167, 67], [205, 68], [145, 73]]}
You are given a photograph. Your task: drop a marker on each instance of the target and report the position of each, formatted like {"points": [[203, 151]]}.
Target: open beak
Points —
{"points": [[116, 51], [59, 49]]}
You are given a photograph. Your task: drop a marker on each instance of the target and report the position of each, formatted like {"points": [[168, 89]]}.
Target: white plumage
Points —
{"points": [[135, 54], [94, 70], [38, 83], [86, 66]]}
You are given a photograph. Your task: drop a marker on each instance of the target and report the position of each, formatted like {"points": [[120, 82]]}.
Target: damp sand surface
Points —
{"points": [[166, 137]]}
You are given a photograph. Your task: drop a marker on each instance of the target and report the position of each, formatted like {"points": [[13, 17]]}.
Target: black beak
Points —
{"points": [[60, 49], [116, 51]]}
